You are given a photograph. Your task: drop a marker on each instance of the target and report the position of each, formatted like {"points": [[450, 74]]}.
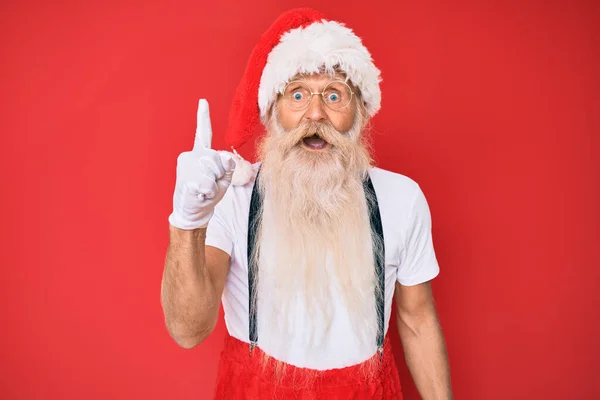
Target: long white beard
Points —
{"points": [[315, 237]]}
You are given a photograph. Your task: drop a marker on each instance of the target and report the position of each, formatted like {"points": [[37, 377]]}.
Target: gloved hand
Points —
{"points": [[203, 176]]}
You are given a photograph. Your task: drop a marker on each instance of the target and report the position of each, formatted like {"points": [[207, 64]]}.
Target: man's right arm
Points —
{"points": [[194, 274], [192, 284]]}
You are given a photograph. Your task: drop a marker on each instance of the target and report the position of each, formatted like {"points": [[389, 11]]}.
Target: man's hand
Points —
{"points": [[203, 176]]}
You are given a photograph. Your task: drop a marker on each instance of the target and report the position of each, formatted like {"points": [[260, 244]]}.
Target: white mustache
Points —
{"points": [[323, 130]]}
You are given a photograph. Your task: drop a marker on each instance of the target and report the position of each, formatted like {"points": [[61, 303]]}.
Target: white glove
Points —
{"points": [[203, 176]]}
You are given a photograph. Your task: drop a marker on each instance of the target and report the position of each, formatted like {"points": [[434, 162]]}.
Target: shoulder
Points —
{"points": [[389, 184], [398, 197], [236, 193], [236, 201]]}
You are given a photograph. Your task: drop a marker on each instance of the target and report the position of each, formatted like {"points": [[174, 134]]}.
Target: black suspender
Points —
{"points": [[255, 206], [379, 257]]}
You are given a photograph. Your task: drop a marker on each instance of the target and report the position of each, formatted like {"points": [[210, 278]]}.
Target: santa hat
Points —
{"points": [[299, 41]]}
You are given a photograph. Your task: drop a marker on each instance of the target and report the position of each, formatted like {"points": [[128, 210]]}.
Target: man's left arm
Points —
{"points": [[423, 341]]}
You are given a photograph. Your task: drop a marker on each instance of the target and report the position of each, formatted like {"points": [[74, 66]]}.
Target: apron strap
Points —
{"points": [[379, 258]]}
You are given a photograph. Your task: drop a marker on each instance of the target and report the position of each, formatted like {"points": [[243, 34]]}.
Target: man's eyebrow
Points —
{"points": [[294, 85]]}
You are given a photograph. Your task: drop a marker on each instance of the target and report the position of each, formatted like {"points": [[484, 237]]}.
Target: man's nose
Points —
{"points": [[316, 109]]}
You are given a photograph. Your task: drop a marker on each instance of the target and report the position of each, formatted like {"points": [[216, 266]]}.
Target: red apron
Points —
{"points": [[242, 376]]}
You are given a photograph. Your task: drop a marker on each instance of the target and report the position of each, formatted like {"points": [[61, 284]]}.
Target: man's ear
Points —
{"points": [[271, 113], [365, 114]]}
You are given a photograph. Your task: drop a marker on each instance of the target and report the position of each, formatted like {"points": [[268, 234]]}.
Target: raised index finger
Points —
{"points": [[203, 137]]}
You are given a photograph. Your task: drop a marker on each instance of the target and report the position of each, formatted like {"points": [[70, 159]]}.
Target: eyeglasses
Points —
{"points": [[336, 95]]}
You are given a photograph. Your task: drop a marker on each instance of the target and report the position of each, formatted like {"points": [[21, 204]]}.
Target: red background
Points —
{"points": [[491, 106]]}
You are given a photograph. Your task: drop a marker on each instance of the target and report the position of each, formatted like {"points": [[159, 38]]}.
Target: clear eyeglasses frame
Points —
{"points": [[337, 95]]}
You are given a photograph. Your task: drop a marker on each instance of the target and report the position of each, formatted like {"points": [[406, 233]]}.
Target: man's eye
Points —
{"points": [[333, 97], [297, 96]]}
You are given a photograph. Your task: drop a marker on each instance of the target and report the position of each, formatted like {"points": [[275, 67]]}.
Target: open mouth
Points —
{"points": [[315, 142]]}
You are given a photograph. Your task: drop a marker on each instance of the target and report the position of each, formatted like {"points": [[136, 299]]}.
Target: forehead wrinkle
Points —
{"points": [[320, 80]]}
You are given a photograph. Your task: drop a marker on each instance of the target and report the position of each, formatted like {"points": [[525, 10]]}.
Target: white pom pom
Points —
{"points": [[243, 172]]}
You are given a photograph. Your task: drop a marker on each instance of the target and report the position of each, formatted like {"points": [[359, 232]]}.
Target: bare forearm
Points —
{"points": [[426, 358], [188, 297]]}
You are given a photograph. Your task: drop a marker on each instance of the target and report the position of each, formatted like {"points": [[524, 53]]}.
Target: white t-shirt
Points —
{"points": [[409, 258]]}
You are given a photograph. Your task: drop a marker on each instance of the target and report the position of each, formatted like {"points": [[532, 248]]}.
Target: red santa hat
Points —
{"points": [[303, 41]]}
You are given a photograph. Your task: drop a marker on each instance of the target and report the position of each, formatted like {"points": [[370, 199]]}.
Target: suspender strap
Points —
{"points": [[255, 206], [378, 256]]}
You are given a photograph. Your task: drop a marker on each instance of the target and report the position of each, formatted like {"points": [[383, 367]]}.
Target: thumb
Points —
{"points": [[203, 137], [227, 161]]}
